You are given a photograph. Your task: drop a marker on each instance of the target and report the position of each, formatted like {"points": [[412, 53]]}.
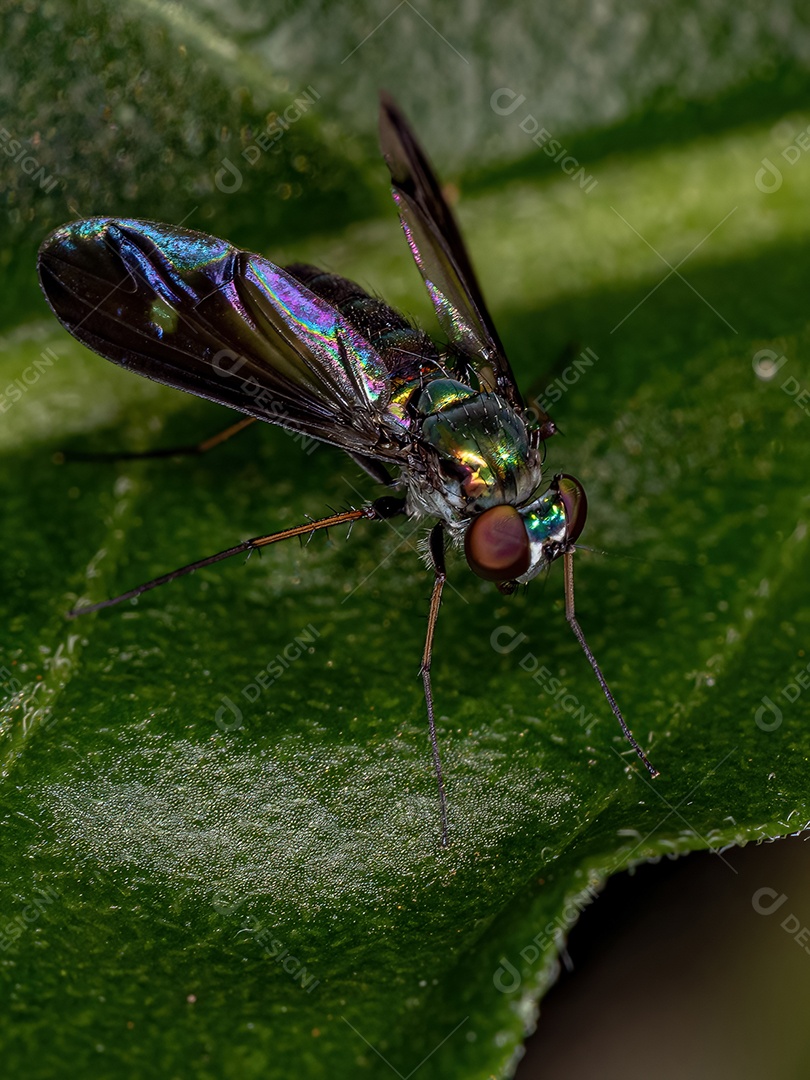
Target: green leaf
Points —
{"points": [[220, 821]]}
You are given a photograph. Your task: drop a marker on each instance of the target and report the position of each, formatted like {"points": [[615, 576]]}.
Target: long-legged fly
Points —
{"points": [[314, 353]]}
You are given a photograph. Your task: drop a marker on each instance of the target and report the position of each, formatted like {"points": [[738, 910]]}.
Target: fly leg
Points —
{"points": [[171, 451], [385, 507], [436, 551], [570, 614]]}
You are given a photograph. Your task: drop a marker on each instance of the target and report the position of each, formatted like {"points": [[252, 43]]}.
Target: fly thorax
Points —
{"points": [[485, 454]]}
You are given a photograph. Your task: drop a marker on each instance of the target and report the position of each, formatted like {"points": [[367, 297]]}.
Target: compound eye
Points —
{"points": [[497, 545], [575, 504]]}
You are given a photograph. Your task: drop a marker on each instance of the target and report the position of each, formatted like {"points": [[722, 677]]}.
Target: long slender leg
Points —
{"points": [[436, 549], [384, 507], [171, 451], [568, 564]]}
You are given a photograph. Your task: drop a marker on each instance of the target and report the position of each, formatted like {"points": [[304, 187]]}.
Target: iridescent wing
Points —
{"points": [[440, 254], [193, 312]]}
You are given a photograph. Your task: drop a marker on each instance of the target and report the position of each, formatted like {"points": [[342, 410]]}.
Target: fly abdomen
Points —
{"points": [[406, 350]]}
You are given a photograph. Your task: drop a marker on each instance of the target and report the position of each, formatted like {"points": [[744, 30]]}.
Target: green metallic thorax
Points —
{"points": [[485, 454]]}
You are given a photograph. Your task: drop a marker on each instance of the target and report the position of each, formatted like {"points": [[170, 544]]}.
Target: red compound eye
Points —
{"points": [[497, 545], [575, 503]]}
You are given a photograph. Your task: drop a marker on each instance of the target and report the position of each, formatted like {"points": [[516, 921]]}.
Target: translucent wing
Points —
{"points": [[440, 254], [193, 312]]}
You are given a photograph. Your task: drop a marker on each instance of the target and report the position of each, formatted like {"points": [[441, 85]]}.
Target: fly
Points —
{"points": [[445, 428]]}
